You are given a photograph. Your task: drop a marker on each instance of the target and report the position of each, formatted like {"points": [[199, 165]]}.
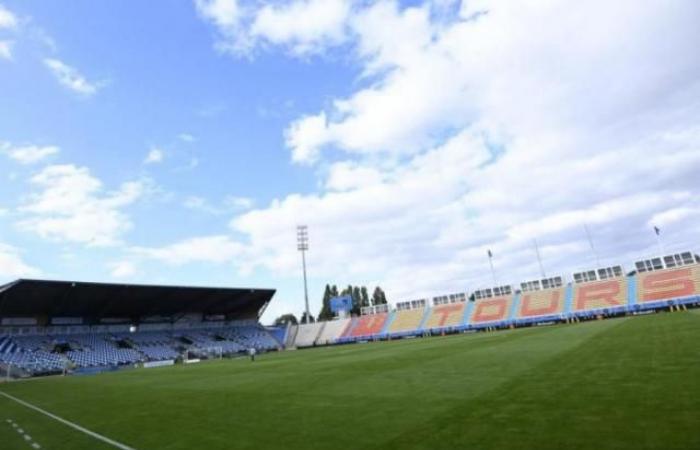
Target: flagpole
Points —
{"points": [[493, 272], [590, 242], [657, 231], [539, 259]]}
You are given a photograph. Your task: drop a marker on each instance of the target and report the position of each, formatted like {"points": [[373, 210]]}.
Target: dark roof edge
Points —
{"points": [[136, 285]]}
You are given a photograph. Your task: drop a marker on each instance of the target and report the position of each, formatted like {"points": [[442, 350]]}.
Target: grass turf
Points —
{"points": [[629, 383]]}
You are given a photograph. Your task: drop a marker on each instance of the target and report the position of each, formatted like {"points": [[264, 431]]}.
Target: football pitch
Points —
{"points": [[631, 383]]}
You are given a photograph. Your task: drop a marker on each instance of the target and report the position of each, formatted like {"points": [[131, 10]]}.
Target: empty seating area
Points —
{"points": [[540, 303], [35, 363], [159, 352], [332, 331], [599, 295], [671, 283], [308, 333], [252, 336], [367, 326], [491, 311], [39, 354], [445, 316], [406, 320]]}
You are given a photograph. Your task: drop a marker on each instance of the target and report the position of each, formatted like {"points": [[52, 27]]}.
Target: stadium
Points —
{"points": [[349, 224], [168, 367]]}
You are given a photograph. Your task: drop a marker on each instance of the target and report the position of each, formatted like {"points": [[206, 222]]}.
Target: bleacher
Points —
{"points": [[366, 326], [406, 321], [667, 282], [541, 300], [332, 331], [35, 353], [445, 316], [35, 363], [671, 278], [308, 333]]}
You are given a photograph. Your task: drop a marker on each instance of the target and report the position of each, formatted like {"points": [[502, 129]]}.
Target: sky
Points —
{"points": [[182, 142]]}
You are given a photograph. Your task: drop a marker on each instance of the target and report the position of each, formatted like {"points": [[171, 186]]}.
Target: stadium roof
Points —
{"points": [[44, 298]]}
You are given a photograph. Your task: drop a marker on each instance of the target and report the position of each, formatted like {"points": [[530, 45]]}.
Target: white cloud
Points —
{"points": [[673, 216], [154, 156], [347, 175], [30, 154], [122, 269], [227, 17], [6, 50], [70, 204], [306, 136], [7, 19], [229, 205], [12, 265], [186, 137], [217, 249], [486, 130], [238, 203], [301, 26], [70, 78], [306, 26]]}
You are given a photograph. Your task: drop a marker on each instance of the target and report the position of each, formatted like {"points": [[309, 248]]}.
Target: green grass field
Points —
{"points": [[629, 383]]}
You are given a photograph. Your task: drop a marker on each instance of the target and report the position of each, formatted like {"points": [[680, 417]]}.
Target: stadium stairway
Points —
{"points": [[428, 311], [6, 345], [290, 342], [387, 324]]}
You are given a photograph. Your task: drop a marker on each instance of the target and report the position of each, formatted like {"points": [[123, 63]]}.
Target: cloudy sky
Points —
{"points": [[182, 142]]}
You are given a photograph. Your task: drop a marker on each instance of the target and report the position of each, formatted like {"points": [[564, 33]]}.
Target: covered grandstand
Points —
{"points": [[57, 326]]}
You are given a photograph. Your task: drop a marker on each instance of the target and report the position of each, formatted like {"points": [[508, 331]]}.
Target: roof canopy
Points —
{"points": [[94, 301]]}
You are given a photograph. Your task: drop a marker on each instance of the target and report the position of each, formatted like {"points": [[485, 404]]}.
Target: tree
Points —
{"points": [[365, 296], [326, 313], [284, 319], [305, 319], [357, 297], [378, 297]]}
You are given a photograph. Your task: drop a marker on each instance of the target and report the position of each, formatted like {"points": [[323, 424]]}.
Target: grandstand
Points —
{"points": [[55, 326], [50, 327], [658, 283]]}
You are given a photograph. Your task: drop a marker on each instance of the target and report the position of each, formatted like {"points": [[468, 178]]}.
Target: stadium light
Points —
{"points": [[303, 247]]}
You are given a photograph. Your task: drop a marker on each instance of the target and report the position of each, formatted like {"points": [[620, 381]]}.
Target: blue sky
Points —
{"points": [[181, 142]]}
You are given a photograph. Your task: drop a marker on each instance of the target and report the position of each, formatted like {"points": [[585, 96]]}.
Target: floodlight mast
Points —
{"points": [[303, 246]]}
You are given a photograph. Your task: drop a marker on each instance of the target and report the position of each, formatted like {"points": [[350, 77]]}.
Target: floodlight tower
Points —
{"points": [[303, 246]]}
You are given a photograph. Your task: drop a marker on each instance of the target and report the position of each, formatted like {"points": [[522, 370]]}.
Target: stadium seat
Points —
{"points": [[331, 331], [445, 316], [547, 302], [669, 284], [599, 295], [406, 321], [368, 326], [489, 311], [308, 333]]}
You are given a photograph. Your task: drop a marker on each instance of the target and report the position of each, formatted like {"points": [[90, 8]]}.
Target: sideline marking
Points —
{"points": [[70, 424]]}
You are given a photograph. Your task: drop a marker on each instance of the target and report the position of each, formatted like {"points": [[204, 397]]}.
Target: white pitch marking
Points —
{"points": [[27, 437], [68, 423], [20, 431], [35, 445]]}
